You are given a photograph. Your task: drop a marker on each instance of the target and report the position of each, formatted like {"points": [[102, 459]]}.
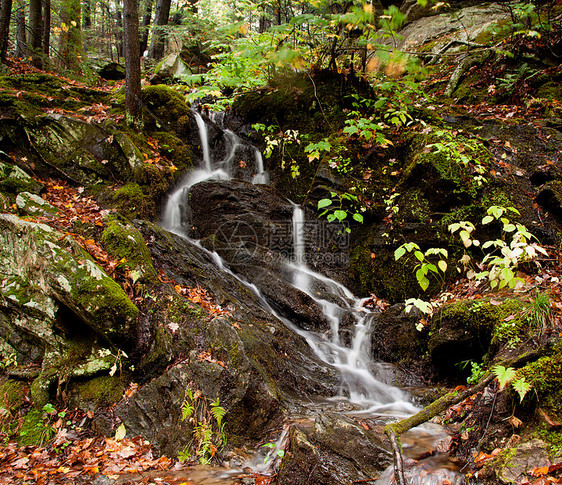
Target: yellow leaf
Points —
{"points": [[121, 432]]}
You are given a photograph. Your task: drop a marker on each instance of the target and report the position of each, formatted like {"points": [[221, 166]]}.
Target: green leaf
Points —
{"points": [[521, 387], [324, 203], [504, 375], [401, 251], [487, 219], [418, 255], [358, 217], [340, 215], [442, 266]]}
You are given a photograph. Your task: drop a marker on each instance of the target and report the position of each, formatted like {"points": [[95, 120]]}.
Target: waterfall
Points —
{"points": [[261, 177], [353, 362], [204, 136], [300, 277]]}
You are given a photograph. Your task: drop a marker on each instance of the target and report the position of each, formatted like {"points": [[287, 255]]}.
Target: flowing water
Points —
{"points": [[369, 395]]}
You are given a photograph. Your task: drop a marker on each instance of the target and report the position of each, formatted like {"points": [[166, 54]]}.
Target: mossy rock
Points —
{"points": [[67, 275], [35, 206], [123, 241], [178, 151], [12, 394], [164, 107], [99, 392], [545, 378], [14, 180], [466, 330], [130, 201], [35, 430]]}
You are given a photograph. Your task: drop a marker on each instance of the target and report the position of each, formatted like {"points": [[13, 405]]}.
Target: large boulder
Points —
{"points": [[49, 279]]}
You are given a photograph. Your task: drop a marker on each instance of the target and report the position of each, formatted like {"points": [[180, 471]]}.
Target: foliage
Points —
{"points": [[502, 258], [508, 375], [425, 266], [206, 417], [338, 211]]}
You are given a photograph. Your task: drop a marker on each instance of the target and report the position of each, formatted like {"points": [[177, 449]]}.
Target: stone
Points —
{"points": [[112, 71], [35, 206], [47, 273]]}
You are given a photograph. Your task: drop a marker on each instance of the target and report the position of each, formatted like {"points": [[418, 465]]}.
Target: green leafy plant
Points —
{"points": [[506, 375], [503, 257], [425, 266], [207, 419], [335, 210], [278, 453]]}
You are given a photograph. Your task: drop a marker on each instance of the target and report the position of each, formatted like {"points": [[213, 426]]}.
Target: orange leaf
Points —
{"points": [[540, 471]]}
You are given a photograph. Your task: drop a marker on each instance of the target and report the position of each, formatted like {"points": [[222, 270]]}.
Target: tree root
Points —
{"points": [[463, 67], [394, 430]]}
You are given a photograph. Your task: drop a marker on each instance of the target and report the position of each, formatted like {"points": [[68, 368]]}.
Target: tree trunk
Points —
{"points": [[5, 14], [133, 106], [35, 33], [158, 34], [21, 38], [71, 35], [87, 14], [119, 30], [46, 30], [145, 30]]}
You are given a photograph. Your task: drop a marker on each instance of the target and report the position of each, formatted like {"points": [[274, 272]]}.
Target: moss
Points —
{"points": [[131, 202], [545, 377], [175, 149], [101, 391], [155, 183], [12, 394], [124, 241], [163, 107], [35, 430]]}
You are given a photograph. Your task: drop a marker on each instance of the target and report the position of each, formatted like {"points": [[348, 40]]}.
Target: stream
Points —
{"points": [[365, 389]]}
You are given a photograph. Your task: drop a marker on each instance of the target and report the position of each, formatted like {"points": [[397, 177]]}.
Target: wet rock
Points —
{"points": [[395, 337], [333, 450], [526, 457], [34, 205], [237, 211]]}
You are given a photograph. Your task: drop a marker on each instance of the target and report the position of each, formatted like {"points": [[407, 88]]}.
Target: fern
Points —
{"points": [[504, 376]]}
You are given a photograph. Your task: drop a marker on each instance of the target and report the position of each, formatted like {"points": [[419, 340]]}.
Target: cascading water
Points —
{"points": [[261, 177], [353, 362], [369, 395], [174, 216]]}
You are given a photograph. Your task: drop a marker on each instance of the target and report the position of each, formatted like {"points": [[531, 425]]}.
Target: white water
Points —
{"points": [[354, 363], [359, 383], [261, 177]]}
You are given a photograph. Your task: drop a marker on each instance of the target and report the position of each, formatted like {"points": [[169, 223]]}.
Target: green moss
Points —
{"points": [[545, 377], [11, 394], [35, 430], [175, 149], [124, 241], [164, 107], [101, 391], [132, 203]]}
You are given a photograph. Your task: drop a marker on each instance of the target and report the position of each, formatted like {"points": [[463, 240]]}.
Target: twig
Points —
{"points": [[395, 430]]}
